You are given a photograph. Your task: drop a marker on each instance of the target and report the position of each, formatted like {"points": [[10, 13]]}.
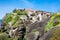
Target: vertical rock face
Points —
{"points": [[33, 35], [35, 23], [37, 26]]}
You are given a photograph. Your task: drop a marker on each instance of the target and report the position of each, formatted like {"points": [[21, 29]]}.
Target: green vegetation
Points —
{"points": [[15, 17], [20, 12], [4, 36], [15, 20], [54, 21], [56, 35]]}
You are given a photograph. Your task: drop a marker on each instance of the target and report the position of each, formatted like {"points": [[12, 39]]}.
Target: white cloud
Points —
{"points": [[28, 4]]}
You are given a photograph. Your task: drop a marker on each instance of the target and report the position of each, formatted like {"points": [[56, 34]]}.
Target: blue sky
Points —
{"points": [[45, 5]]}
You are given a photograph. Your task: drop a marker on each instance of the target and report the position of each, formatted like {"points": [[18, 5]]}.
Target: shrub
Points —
{"points": [[3, 36]]}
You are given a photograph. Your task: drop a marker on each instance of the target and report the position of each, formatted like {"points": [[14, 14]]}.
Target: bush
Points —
{"points": [[3, 36], [53, 34], [54, 21]]}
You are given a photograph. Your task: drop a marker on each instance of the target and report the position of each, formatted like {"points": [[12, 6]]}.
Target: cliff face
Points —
{"points": [[27, 24]]}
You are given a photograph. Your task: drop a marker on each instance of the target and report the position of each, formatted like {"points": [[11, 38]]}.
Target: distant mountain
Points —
{"points": [[0, 22]]}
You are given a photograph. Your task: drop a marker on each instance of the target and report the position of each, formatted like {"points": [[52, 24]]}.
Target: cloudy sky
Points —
{"points": [[45, 5]]}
